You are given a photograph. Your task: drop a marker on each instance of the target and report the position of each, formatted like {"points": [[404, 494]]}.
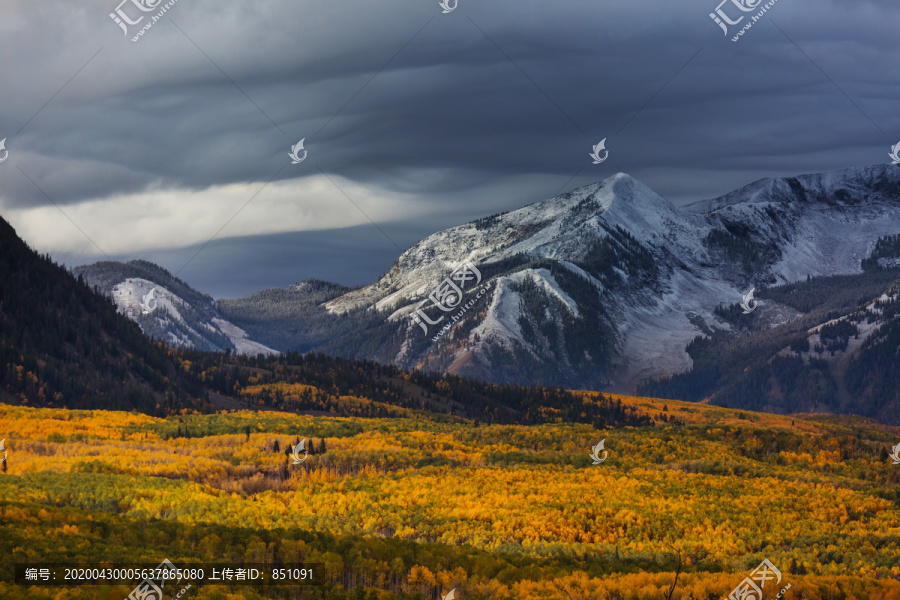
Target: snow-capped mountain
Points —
{"points": [[607, 285], [167, 308]]}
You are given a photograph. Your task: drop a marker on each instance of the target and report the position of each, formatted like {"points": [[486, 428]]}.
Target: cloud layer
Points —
{"points": [[422, 119]]}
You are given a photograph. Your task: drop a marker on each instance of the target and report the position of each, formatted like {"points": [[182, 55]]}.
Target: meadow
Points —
{"points": [[415, 505]]}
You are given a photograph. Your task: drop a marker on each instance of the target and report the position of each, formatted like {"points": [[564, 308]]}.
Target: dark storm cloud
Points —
{"points": [[491, 107]]}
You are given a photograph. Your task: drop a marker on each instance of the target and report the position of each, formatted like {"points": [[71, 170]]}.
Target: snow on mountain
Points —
{"points": [[618, 216], [654, 336], [129, 297], [603, 287], [501, 324], [606, 285], [824, 224], [167, 308], [242, 344]]}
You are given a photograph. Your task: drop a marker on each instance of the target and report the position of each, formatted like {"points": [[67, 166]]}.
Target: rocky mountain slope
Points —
{"points": [[175, 313], [607, 285]]}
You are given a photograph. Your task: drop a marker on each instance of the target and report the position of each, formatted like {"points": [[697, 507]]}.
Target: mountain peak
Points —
{"points": [[621, 201]]}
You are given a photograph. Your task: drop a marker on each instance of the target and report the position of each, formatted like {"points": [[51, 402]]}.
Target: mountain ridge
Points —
{"points": [[603, 287]]}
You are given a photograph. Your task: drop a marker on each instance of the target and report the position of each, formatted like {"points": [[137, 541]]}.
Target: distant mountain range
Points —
{"points": [[606, 287], [63, 344]]}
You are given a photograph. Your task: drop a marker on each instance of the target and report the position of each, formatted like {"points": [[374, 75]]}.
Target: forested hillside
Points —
{"points": [[316, 382], [63, 344], [294, 318], [839, 355]]}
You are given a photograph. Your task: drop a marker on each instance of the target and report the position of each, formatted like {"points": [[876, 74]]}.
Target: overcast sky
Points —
{"points": [[175, 148]]}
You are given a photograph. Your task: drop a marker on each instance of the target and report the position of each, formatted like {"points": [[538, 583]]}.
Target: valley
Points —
{"points": [[412, 506]]}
